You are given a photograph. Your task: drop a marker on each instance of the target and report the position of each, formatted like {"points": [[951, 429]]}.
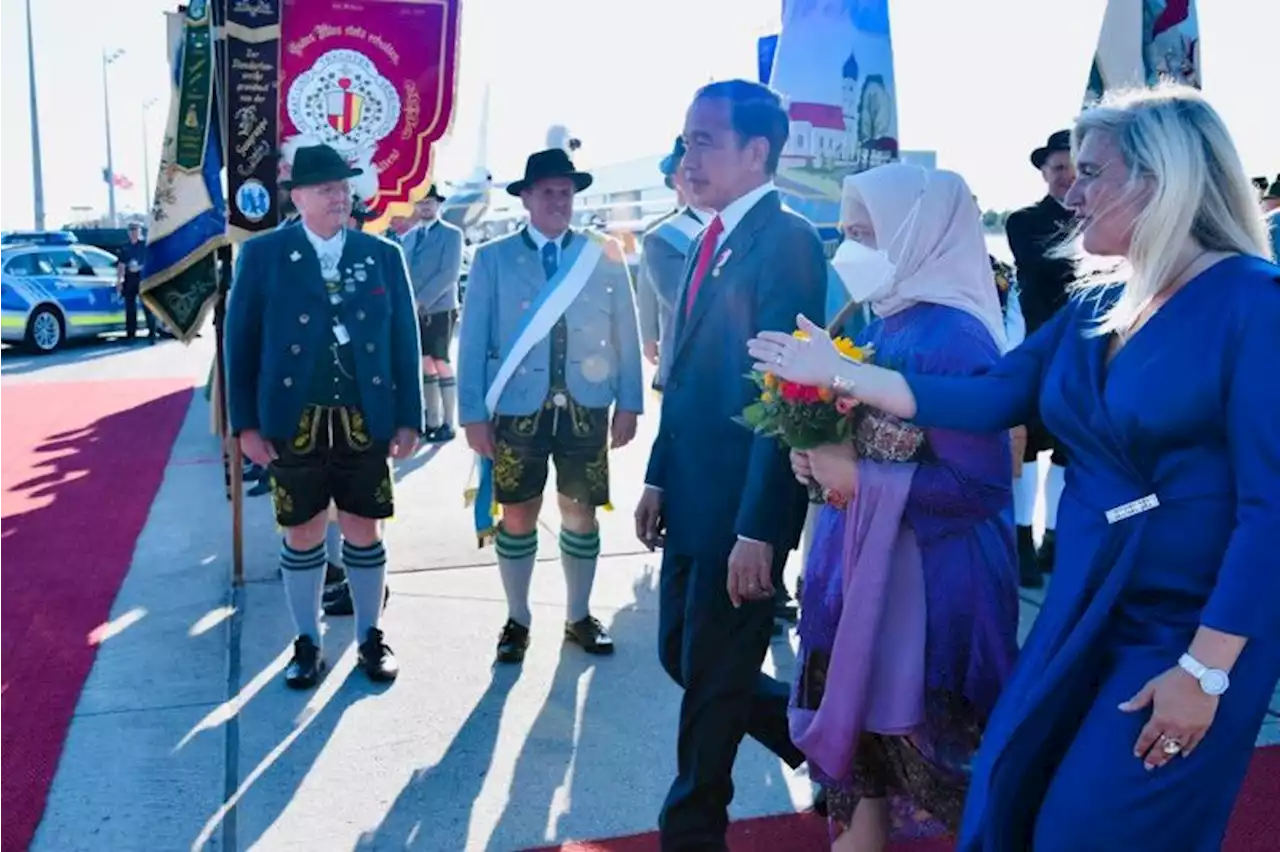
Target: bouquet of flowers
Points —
{"points": [[802, 417]]}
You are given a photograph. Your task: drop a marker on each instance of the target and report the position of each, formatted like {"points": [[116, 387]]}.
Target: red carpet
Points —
{"points": [[80, 467], [1255, 825]]}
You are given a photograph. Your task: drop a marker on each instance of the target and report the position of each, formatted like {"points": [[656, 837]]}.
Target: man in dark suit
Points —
{"points": [[718, 499], [1034, 232], [323, 366]]}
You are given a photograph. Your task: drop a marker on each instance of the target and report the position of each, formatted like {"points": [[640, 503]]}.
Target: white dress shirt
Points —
{"points": [[328, 252], [735, 211]]}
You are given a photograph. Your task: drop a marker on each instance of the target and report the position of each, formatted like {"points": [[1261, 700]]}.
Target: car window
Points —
{"points": [[64, 261], [29, 264], [101, 262]]}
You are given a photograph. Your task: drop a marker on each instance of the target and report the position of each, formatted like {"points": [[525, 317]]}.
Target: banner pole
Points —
{"points": [[221, 104]]}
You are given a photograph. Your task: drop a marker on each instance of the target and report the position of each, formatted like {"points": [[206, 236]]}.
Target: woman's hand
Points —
{"points": [[800, 467], [812, 361], [834, 467], [1181, 713]]}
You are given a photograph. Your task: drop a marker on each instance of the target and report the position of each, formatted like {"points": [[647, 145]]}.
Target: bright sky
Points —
{"points": [[981, 82]]}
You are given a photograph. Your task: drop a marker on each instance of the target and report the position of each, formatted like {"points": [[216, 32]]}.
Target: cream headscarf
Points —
{"points": [[942, 257]]}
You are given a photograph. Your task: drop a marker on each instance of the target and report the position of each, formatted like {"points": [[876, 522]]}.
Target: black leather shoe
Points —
{"points": [[337, 599], [376, 658], [307, 666], [513, 642], [333, 575], [441, 434], [590, 634], [820, 802], [1048, 551], [1029, 576]]}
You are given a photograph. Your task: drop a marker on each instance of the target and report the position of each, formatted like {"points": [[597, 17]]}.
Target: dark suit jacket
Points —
{"points": [[279, 319], [1042, 281], [719, 480]]}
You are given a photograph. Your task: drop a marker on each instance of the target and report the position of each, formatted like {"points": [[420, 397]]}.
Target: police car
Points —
{"points": [[52, 293]]}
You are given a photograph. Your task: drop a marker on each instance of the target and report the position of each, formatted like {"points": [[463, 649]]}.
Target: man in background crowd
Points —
{"points": [[1034, 232]]}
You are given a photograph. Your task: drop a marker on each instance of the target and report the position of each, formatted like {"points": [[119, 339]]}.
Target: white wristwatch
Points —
{"points": [[1212, 681]]}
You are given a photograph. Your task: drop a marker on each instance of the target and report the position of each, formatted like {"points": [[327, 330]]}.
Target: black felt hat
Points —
{"points": [[433, 192], [360, 211], [1060, 141], [1273, 191], [554, 162], [317, 164]]}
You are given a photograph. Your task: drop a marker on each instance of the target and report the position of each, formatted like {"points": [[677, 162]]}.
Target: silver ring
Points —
{"points": [[777, 359], [1170, 746]]}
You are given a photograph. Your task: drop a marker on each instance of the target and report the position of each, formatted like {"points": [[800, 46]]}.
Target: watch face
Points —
{"points": [[1214, 681]]}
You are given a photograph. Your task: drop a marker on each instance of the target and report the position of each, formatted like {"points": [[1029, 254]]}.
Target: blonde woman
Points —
{"points": [[1130, 718]]}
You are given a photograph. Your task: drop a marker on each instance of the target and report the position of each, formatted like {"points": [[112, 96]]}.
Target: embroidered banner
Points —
{"points": [[1144, 43], [376, 79], [253, 97], [188, 218]]}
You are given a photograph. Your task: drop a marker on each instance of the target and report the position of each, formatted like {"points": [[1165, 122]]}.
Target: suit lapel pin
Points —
{"points": [[369, 261], [296, 256], [721, 261]]}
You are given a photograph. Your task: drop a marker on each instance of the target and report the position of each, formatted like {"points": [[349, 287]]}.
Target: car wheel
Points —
{"points": [[45, 332]]}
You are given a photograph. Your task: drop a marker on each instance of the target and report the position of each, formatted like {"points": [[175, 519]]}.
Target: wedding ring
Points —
{"points": [[777, 359], [1170, 746]]}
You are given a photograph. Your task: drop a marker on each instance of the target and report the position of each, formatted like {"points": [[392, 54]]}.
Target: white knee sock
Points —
{"points": [[1025, 488], [303, 577], [432, 401], [333, 544], [1056, 481], [448, 399], [367, 579], [516, 555], [579, 553]]}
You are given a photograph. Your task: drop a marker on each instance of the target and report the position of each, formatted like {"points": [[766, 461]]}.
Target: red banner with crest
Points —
{"points": [[376, 79]]}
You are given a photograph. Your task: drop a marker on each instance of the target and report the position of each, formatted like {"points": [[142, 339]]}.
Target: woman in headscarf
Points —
{"points": [[909, 609], [1130, 719]]}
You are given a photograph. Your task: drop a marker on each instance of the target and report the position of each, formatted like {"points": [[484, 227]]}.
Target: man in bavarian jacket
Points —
{"points": [[323, 384], [548, 344], [662, 262]]}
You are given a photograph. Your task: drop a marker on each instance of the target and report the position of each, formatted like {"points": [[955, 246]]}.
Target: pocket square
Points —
{"points": [[378, 291]]}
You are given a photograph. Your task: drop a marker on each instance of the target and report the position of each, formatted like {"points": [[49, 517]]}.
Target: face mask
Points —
{"points": [[868, 274]]}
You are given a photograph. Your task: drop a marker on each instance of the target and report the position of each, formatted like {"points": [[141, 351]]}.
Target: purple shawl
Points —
{"points": [[875, 677]]}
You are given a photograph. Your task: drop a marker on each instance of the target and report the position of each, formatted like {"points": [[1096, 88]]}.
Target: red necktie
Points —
{"points": [[708, 250]]}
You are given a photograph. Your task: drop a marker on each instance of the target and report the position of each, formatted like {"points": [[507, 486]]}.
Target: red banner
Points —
{"points": [[376, 79]]}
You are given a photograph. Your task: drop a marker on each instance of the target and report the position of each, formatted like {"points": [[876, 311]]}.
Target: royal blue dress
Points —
{"points": [[1187, 411]]}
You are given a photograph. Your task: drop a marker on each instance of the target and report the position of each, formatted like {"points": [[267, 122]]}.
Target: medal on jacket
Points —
{"points": [[559, 400]]}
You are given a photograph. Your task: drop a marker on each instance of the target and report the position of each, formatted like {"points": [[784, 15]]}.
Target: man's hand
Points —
{"points": [[480, 438], [256, 448], [651, 352], [649, 523], [623, 428], [750, 572], [404, 443]]}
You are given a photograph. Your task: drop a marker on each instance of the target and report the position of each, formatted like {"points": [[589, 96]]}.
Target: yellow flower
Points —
{"points": [[825, 394], [766, 397], [800, 335], [851, 351], [770, 380]]}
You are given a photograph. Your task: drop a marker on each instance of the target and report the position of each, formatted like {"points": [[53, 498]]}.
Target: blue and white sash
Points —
{"points": [[578, 260], [680, 231]]}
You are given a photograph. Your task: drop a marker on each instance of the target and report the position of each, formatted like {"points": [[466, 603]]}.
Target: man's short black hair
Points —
{"points": [[755, 111]]}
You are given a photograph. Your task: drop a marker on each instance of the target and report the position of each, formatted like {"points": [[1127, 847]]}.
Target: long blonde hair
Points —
{"points": [[1176, 147]]}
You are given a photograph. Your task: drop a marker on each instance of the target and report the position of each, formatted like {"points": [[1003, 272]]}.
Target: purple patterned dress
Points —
{"points": [[954, 507]]}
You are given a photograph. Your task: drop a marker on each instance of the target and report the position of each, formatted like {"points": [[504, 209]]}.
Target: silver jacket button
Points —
{"points": [[377, 380], [304, 318], [295, 349], [288, 382], [359, 315], [368, 347]]}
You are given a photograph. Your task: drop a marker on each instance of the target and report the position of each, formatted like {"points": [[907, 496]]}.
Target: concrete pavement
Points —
{"points": [[185, 736]]}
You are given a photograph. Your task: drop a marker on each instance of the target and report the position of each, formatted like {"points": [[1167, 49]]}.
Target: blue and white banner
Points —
{"points": [[834, 65], [188, 219]]}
